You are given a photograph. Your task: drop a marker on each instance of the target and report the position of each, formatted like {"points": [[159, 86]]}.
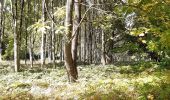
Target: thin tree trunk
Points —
{"points": [[30, 37], [43, 36], [103, 56], [69, 63], [76, 30], [50, 47], [90, 42], [31, 49], [16, 39], [26, 42], [1, 27], [61, 48], [53, 34], [21, 20], [85, 40]]}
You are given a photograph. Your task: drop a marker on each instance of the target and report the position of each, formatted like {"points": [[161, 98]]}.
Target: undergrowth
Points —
{"points": [[138, 82]]}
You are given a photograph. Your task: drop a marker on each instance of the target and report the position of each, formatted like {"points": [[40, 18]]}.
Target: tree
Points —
{"points": [[16, 37], [1, 26], [103, 56], [69, 62], [43, 36], [31, 39], [53, 34], [76, 30], [21, 21]]}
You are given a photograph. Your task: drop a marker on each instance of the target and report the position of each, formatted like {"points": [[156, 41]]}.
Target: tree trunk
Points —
{"points": [[1, 27], [69, 63], [43, 35], [31, 49], [16, 39], [21, 20], [53, 34], [85, 41], [103, 56], [76, 30], [26, 42], [31, 38]]}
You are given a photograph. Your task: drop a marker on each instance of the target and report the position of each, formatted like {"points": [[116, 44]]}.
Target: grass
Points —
{"points": [[145, 81]]}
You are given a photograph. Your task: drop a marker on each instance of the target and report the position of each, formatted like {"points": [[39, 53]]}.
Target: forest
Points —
{"points": [[84, 49]]}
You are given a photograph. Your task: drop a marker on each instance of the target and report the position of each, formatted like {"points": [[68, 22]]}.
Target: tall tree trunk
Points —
{"points": [[26, 42], [1, 27], [69, 63], [61, 47], [103, 56], [43, 35], [31, 49], [90, 43], [85, 40], [26, 33], [31, 38], [16, 38], [49, 40], [53, 34], [21, 20], [76, 30]]}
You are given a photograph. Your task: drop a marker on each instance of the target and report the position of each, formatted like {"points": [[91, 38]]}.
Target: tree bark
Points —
{"points": [[16, 39], [43, 35], [21, 20], [69, 63], [26, 42], [31, 49], [31, 38], [76, 30], [1, 27], [53, 34], [103, 56]]}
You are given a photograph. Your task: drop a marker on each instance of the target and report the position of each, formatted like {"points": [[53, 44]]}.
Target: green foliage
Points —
{"points": [[9, 49], [135, 1], [165, 62], [132, 47], [165, 40], [104, 21], [151, 27], [152, 46], [60, 13], [38, 27], [139, 31], [139, 81], [156, 91], [60, 29], [20, 85], [145, 80]]}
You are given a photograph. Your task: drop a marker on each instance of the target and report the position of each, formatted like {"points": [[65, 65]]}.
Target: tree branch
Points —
{"points": [[75, 32], [49, 15]]}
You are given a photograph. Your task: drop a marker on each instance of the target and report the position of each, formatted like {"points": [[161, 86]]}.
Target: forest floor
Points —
{"points": [[143, 81]]}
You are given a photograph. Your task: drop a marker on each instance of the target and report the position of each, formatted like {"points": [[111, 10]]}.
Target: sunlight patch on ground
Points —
{"points": [[108, 82]]}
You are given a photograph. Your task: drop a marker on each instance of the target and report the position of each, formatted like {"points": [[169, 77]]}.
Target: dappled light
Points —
{"points": [[102, 82], [84, 49]]}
